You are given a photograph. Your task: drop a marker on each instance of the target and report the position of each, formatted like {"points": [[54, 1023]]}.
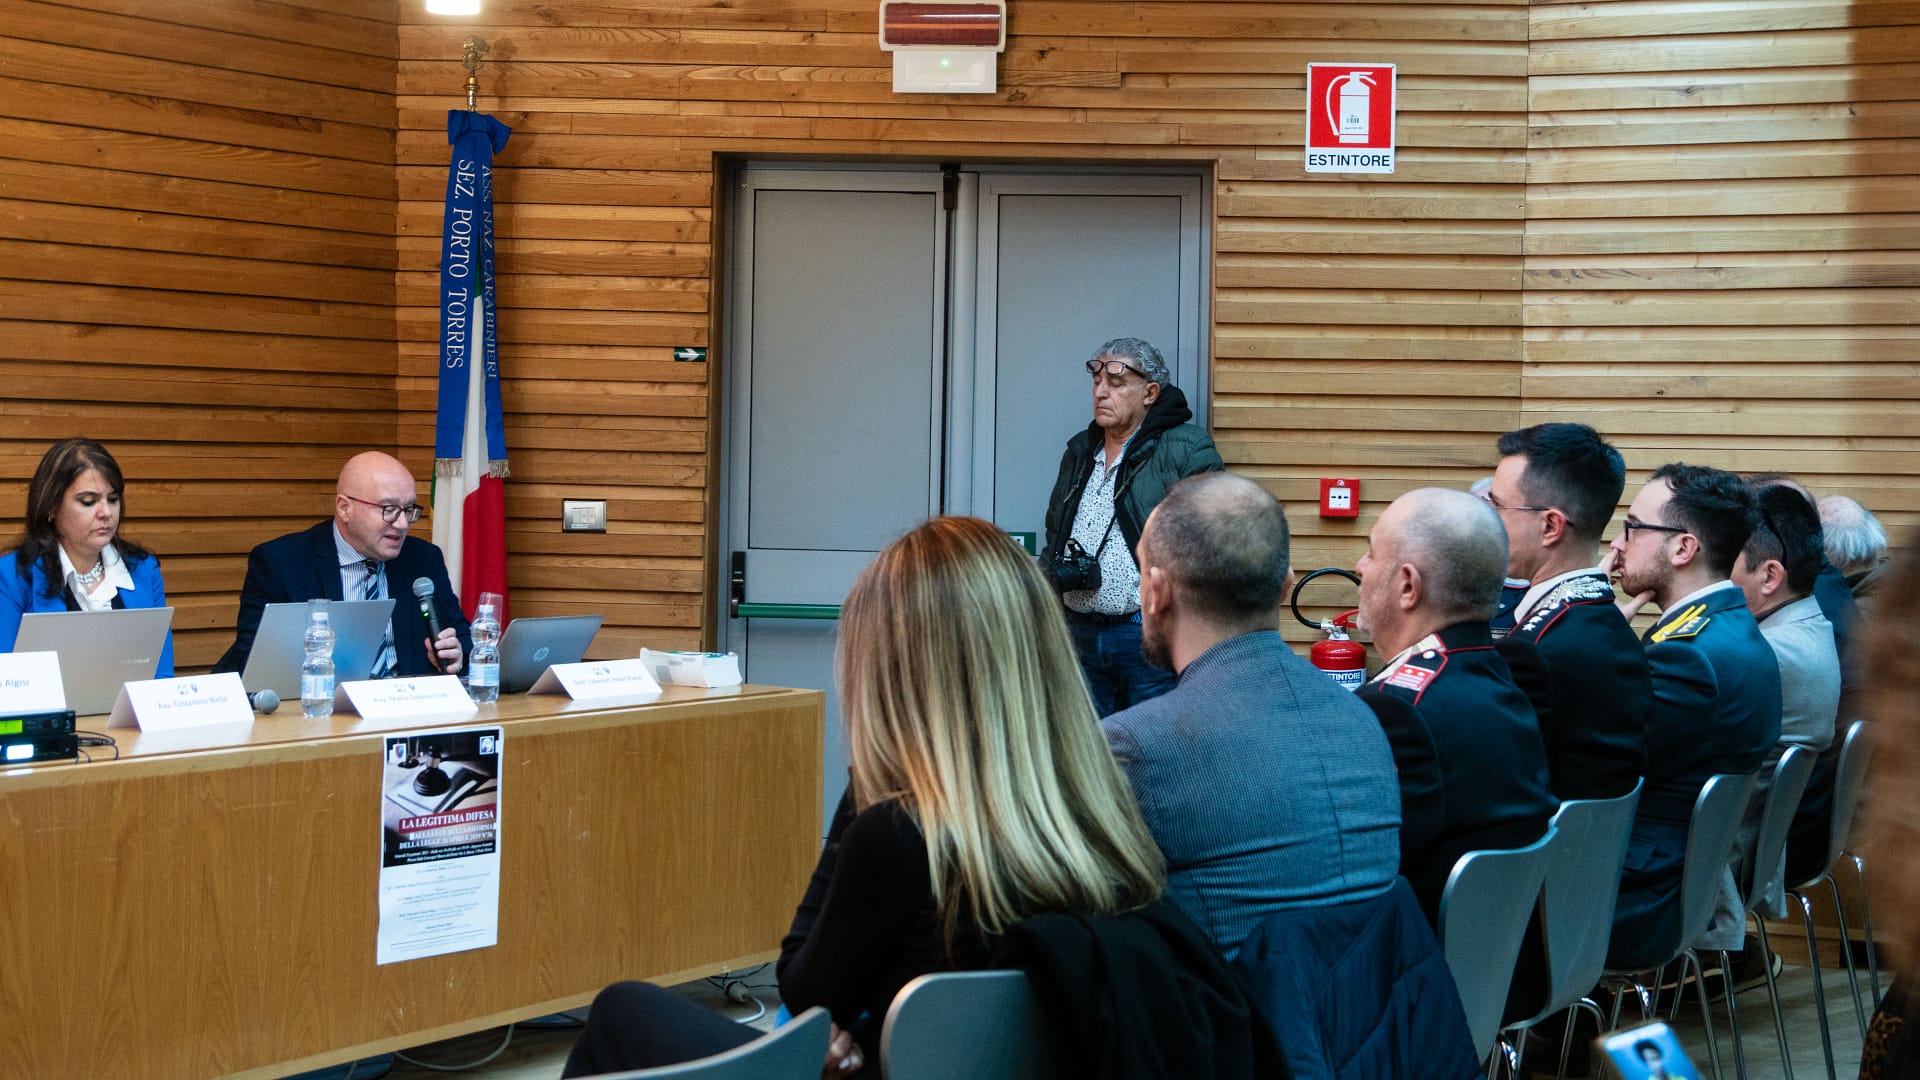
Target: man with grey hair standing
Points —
{"points": [[1472, 763], [1314, 817], [1141, 442]]}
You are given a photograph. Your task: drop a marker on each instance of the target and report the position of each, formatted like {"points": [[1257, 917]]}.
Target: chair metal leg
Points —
{"points": [[1733, 1014], [1819, 982], [1706, 1011], [1773, 997], [1573, 1020], [1846, 950], [1866, 927]]}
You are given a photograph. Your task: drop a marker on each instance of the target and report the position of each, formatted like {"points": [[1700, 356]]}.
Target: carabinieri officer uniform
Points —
{"points": [[1716, 709], [1596, 696], [1473, 768]]}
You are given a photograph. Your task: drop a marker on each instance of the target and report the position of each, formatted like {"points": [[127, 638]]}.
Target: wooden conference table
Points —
{"points": [[206, 905]]}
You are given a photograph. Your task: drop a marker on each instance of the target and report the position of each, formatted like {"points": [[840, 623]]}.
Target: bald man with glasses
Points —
{"points": [[362, 553], [1716, 689]]}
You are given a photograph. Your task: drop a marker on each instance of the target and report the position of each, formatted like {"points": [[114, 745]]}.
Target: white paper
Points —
{"points": [[596, 680], [190, 701], [30, 683], [405, 699], [693, 668], [439, 842]]}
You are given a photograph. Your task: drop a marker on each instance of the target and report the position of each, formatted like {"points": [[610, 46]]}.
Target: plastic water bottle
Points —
{"points": [[483, 667], [316, 671]]}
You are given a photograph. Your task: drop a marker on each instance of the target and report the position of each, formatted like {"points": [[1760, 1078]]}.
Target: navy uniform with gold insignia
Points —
{"points": [[1716, 709], [1473, 769], [1592, 693]]}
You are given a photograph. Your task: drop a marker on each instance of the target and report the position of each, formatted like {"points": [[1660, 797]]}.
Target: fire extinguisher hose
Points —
{"points": [[1302, 583]]}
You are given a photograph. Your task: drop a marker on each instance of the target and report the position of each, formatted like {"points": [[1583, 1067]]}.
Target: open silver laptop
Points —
{"points": [[531, 646], [280, 645], [99, 650]]}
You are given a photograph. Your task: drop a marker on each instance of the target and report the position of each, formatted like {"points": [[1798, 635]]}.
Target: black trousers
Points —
{"points": [[636, 1025]]}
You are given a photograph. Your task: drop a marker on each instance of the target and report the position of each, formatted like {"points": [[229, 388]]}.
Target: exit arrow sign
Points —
{"points": [[690, 354]]}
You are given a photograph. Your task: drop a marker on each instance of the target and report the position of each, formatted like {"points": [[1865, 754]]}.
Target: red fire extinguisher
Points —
{"points": [[1341, 657]]}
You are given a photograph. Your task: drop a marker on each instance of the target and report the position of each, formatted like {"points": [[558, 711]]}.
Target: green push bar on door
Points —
{"points": [[786, 611]]}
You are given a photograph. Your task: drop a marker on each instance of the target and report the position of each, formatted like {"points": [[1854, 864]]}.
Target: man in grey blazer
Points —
{"points": [[1265, 783]]}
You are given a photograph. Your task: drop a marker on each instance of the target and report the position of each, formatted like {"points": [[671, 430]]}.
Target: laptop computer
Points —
{"points": [[531, 646], [280, 645], [99, 650]]}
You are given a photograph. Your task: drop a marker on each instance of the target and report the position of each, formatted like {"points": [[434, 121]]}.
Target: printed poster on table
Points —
{"points": [[439, 842]]}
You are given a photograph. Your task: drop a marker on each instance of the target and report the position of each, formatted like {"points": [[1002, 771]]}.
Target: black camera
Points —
{"points": [[1073, 569]]}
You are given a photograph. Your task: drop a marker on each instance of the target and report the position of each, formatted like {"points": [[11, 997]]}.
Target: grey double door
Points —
{"points": [[901, 343]]}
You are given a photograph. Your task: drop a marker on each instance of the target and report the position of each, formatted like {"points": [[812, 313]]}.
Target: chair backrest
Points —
{"points": [[1767, 862], [1717, 813], [1849, 782], [1484, 910], [1579, 892], [965, 1025], [793, 1052]]}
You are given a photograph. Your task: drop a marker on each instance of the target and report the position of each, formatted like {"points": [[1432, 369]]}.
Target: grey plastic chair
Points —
{"points": [[1765, 869], [965, 1025], [1849, 780], [1578, 895], [794, 1052], [1489, 898], [1711, 831]]}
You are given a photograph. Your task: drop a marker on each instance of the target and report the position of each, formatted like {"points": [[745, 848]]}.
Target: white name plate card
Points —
{"points": [[30, 683], [399, 699], [598, 680], [190, 701]]}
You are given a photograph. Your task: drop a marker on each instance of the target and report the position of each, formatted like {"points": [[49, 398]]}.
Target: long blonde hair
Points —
{"points": [[964, 700]]}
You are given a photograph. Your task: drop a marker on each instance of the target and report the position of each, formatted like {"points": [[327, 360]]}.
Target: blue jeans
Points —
{"points": [[1118, 676]]}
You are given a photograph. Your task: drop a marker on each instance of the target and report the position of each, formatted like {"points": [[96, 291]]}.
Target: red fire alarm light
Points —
{"points": [[1339, 498]]}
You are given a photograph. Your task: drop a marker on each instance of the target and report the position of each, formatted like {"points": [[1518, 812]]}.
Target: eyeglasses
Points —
{"points": [[389, 513], [1627, 527], [1487, 497], [1113, 369]]}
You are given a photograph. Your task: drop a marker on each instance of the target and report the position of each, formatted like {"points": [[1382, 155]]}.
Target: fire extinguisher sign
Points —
{"points": [[1350, 118]]}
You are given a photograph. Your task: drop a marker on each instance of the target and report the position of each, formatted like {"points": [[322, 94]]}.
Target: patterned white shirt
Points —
{"points": [[1119, 591]]}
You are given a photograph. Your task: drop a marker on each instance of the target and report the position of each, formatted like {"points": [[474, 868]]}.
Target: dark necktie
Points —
{"points": [[370, 590]]}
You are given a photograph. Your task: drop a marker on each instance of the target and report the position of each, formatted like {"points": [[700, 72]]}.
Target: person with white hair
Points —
{"points": [[1855, 542]]}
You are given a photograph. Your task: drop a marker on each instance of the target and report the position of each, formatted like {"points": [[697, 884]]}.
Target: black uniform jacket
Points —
{"points": [[1592, 693], [1473, 768]]}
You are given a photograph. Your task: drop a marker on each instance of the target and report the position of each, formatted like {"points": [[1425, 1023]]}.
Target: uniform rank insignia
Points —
{"points": [[1410, 677], [1574, 590], [1690, 622]]}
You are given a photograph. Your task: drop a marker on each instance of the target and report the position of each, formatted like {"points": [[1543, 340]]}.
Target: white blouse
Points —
{"points": [[100, 597]]}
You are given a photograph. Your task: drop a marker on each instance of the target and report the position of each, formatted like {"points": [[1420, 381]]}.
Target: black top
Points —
{"points": [[867, 924], [1591, 690], [1473, 767]]}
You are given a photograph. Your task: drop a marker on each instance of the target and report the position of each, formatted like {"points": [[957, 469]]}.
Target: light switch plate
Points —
{"points": [[583, 515]]}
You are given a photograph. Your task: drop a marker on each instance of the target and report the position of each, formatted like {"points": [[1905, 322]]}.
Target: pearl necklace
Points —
{"points": [[92, 577]]}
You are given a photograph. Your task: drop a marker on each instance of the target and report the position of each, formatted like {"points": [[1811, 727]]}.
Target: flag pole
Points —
{"points": [[471, 58]]}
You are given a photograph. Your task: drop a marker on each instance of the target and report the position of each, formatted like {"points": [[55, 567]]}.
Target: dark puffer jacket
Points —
{"points": [[1165, 450]]}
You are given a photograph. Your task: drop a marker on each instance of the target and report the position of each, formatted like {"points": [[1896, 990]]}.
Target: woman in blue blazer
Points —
{"points": [[73, 557]]}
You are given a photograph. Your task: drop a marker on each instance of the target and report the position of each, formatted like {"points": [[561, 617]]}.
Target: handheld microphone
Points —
{"points": [[423, 591], [263, 701]]}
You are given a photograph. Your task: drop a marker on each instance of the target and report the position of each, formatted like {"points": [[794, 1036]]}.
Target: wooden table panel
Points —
{"points": [[190, 912]]}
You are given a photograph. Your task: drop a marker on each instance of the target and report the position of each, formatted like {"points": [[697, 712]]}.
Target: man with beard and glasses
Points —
{"points": [[1716, 686], [1314, 813]]}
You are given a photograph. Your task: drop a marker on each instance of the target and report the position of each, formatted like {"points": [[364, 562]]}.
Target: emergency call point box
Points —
{"points": [[1339, 498]]}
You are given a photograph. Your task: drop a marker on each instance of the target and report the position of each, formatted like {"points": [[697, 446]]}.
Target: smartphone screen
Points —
{"points": [[1647, 1052]]}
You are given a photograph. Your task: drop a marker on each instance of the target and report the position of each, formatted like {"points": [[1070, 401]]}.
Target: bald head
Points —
{"points": [[367, 483], [1223, 540], [1457, 544]]}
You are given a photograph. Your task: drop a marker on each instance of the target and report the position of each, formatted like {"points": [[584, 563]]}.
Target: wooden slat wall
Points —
{"points": [[1328, 290], [197, 213], [1723, 236], [1596, 202]]}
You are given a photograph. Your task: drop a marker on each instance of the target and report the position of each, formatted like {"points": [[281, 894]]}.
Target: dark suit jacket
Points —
{"points": [[1592, 693], [1473, 768], [1716, 709], [305, 566]]}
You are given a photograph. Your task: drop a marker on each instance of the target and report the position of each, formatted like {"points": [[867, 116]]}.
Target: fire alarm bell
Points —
{"points": [[1339, 498]]}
